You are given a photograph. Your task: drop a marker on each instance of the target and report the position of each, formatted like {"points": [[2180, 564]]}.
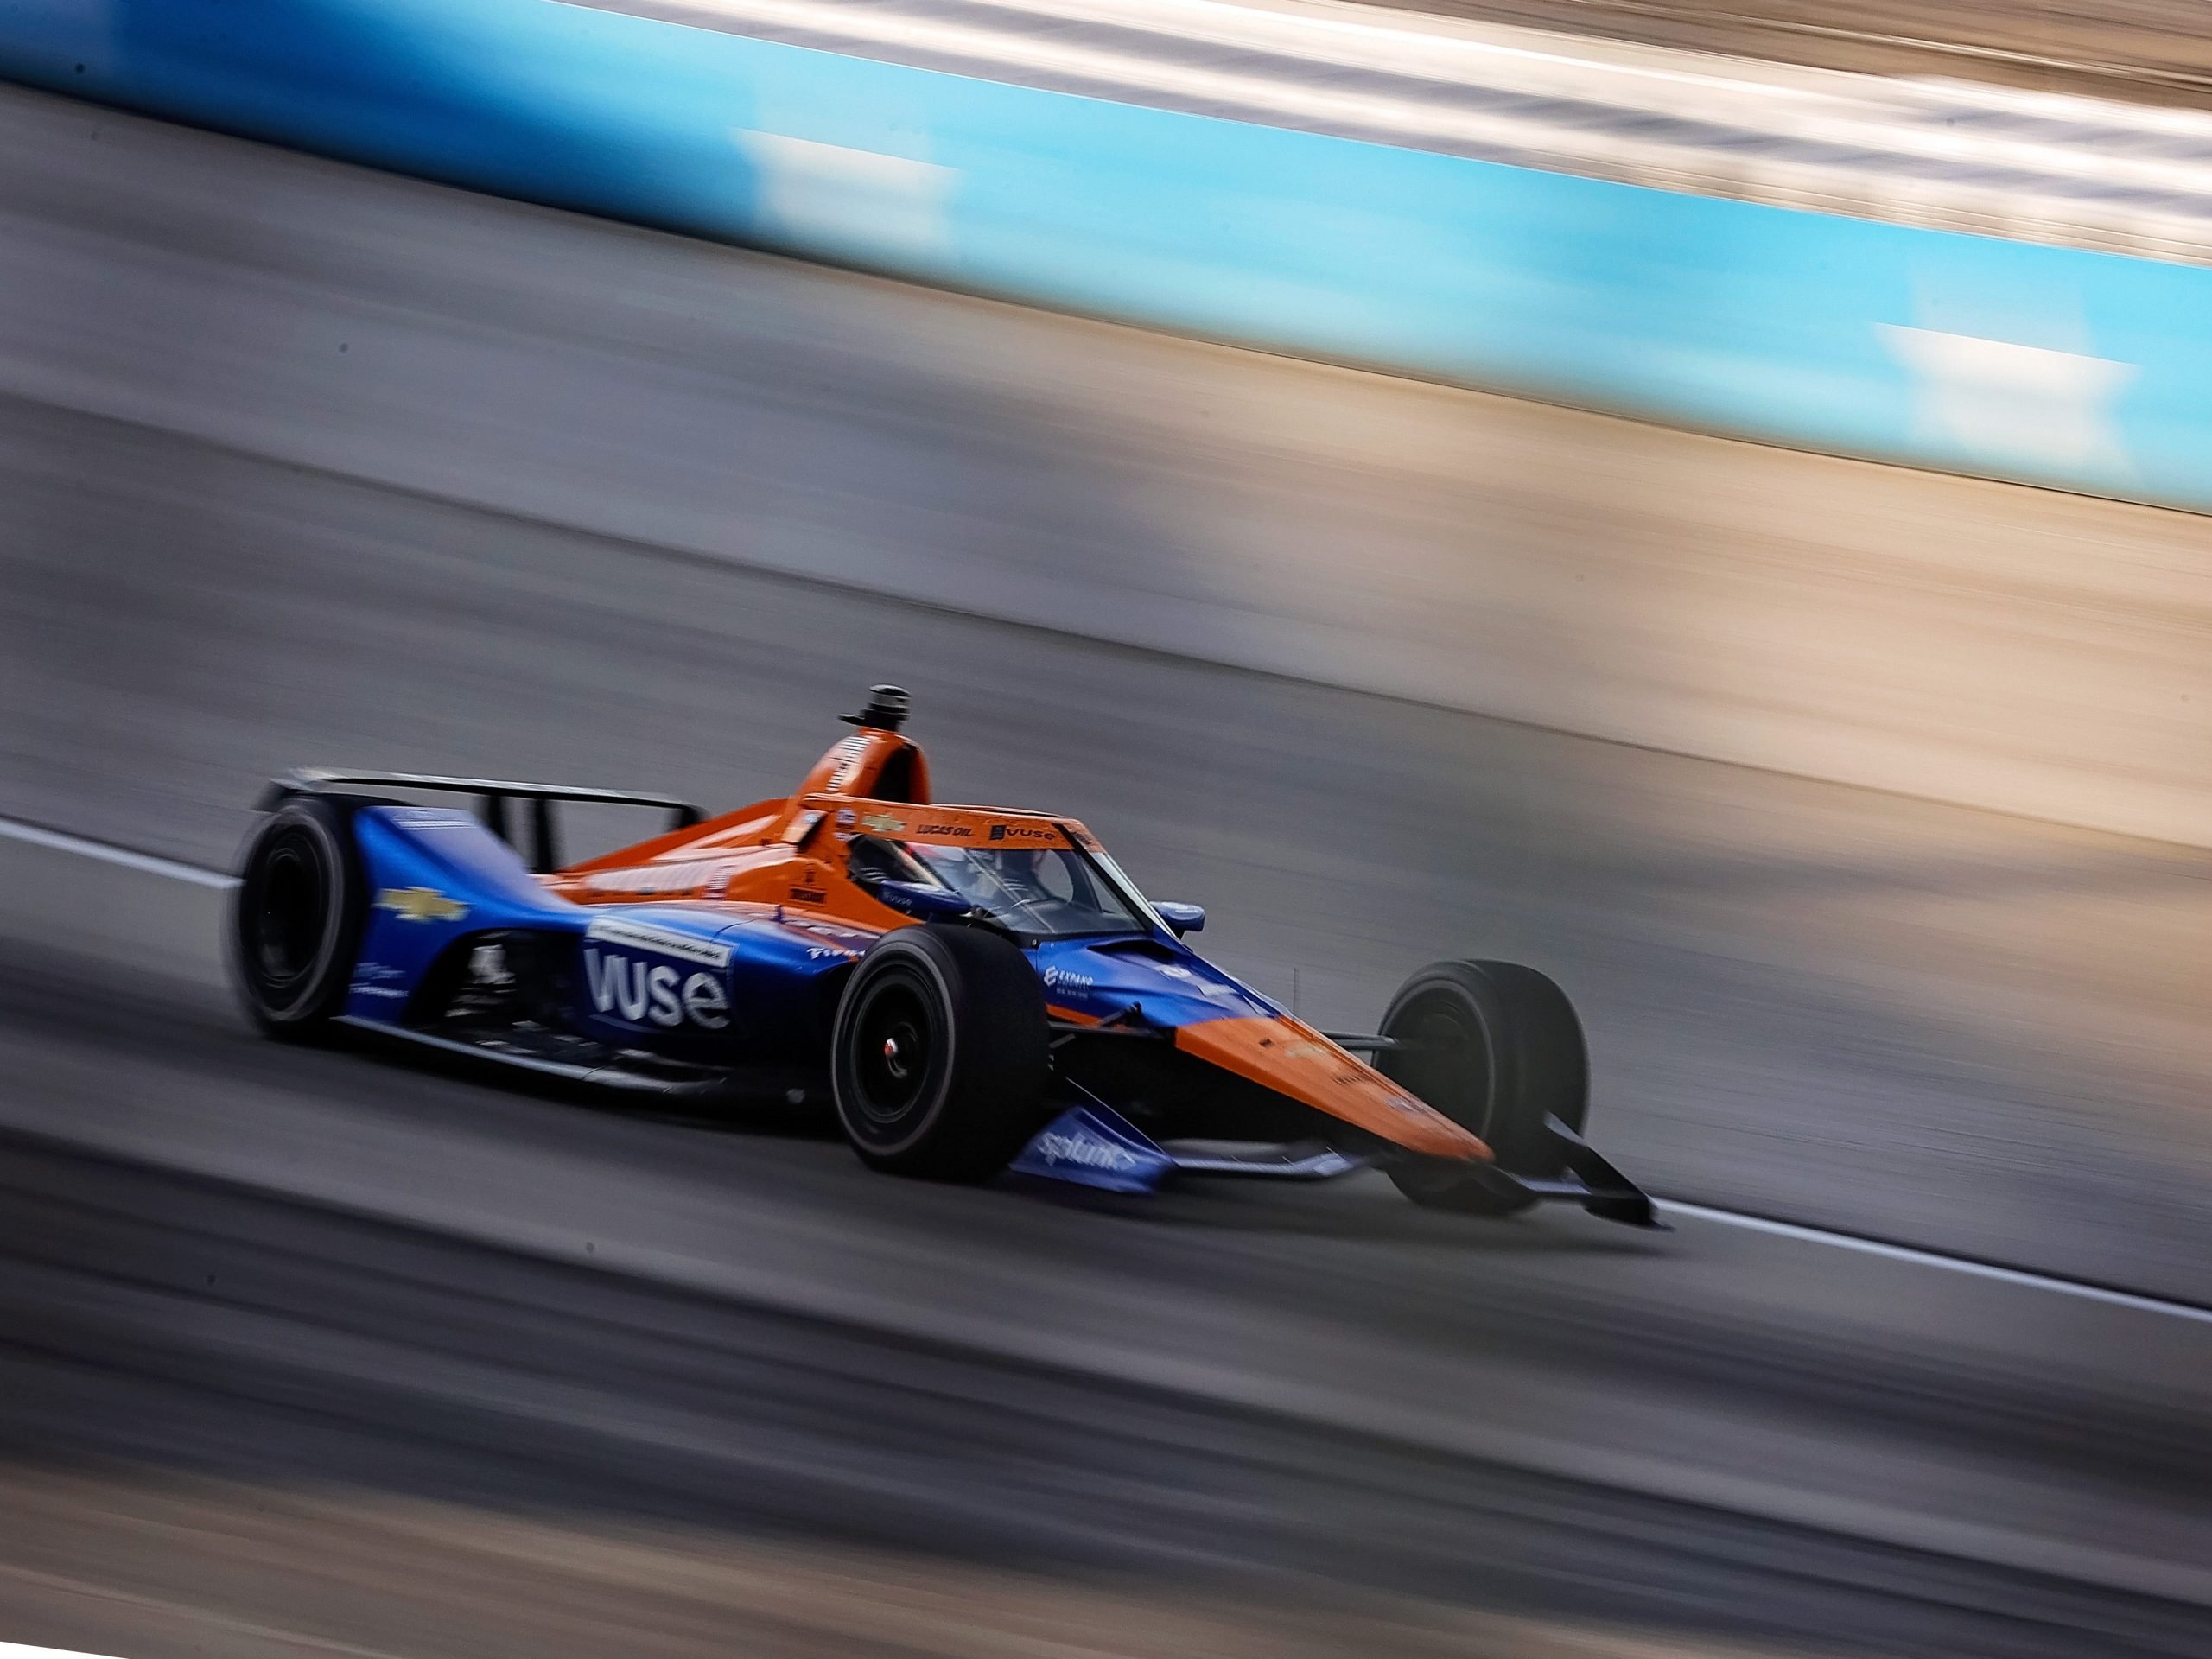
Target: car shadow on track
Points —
{"points": [[1363, 1209]]}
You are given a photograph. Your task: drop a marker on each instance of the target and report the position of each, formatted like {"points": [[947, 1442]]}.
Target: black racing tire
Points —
{"points": [[296, 917], [1496, 1048], [940, 1054]]}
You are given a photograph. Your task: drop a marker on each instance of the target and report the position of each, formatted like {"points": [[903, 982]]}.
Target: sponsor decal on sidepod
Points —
{"points": [[627, 935], [655, 993]]}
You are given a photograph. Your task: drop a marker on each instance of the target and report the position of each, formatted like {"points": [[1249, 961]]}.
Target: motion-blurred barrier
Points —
{"points": [[2046, 363], [2049, 364]]}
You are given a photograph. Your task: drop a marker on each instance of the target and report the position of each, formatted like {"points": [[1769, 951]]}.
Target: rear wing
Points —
{"points": [[493, 795]]}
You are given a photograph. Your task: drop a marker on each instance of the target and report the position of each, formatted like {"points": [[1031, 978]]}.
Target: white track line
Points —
{"points": [[107, 853], [2126, 1299], [17, 1650], [38, 836]]}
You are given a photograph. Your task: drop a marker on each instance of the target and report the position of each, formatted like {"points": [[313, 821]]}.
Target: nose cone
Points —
{"points": [[1292, 1059]]}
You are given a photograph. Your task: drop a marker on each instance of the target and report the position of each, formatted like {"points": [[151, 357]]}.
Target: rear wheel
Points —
{"points": [[296, 917], [940, 1054], [1496, 1048]]}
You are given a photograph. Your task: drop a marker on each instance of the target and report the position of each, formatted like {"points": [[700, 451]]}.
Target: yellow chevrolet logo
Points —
{"points": [[421, 904]]}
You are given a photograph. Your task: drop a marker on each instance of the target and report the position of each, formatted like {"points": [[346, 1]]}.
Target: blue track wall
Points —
{"points": [[2053, 365]]}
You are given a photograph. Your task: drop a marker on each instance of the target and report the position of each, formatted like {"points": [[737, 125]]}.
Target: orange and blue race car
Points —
{"points": [[972, 990]]}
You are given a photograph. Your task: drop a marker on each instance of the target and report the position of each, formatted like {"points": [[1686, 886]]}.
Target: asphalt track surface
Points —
{"points": [[237, 1278], [305, 1349]]}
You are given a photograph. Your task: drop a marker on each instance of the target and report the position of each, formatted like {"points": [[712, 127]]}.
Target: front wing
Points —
{"points": [[1094, 1145]]}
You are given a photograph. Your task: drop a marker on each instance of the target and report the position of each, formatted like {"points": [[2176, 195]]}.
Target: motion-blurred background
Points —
{"points": [[1722, 529]]}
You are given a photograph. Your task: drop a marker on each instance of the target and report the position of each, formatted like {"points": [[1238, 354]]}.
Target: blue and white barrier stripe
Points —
{"points": [[2034, 167], [1701, 305]]}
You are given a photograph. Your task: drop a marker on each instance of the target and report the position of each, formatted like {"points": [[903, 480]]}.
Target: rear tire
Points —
{"points": [[295, 918], [940, 1053], [1496, 1048]]}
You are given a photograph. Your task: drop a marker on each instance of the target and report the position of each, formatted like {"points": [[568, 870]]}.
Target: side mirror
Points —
{"points": [[1183, 919], [922, 899]]}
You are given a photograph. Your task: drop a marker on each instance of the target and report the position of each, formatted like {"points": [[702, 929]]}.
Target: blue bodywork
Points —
{"points": [[1166, 980], [438, 877], [729, 984], [434, 874], [1095, 1146], [715, 983]]}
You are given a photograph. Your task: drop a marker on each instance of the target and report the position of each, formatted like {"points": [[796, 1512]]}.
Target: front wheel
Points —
{"points": [[940, 1054], [1496, 1048], [295, 918]]}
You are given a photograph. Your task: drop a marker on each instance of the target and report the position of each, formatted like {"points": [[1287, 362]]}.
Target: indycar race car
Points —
{"points": [[972, 990]]}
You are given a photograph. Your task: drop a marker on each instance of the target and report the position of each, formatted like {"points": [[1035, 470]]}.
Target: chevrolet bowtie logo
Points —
{"points": [[421, 904]]}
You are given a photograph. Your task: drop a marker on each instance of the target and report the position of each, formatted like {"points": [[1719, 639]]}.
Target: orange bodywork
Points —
{"points": [[1291, 1058], [791, 852]]}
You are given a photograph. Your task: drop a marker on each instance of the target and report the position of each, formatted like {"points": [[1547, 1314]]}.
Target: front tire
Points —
{"points": [[1496, 1048], [295, 918], [940, 1054]]}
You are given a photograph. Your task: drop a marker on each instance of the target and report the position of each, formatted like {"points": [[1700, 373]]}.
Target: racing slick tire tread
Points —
{"points": [[297, 916], [940, 1053], [1496, 1047]]}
